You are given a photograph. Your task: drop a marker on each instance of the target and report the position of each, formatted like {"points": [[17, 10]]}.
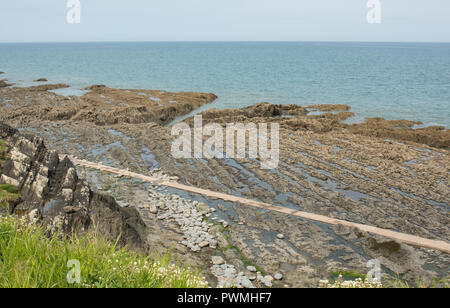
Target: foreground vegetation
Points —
{"points": [[355, 280], [28, 258], [8, 195]]}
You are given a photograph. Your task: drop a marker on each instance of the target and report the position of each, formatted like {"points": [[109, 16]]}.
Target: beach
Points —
{"points": [[384, 173]]}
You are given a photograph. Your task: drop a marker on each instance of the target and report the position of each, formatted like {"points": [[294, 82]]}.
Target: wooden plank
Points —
{"points": [[401, 237]]}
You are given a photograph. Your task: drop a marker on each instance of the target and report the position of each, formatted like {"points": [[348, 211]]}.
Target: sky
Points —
{"points": [[224, 20]]}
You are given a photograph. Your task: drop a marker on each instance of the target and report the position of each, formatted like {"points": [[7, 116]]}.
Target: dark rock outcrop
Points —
{"points": [[108, 106], [52, 193], [46, 87], [434, 136], [329, 119], [4, 84]]}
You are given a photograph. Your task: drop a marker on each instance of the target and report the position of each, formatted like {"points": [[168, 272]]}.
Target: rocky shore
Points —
{"points": [[51, 193], [381, 173]]}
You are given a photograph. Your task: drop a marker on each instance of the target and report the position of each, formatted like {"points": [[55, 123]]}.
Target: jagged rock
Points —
{"points": [[52, 193]]}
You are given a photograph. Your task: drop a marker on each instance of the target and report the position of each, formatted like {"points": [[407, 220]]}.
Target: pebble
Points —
{"points": [[278, 276], [266, 281], [251, 268], [203, 244], [217, 260], [280, 236], [187, 216], [153, 209], [228, 277]]}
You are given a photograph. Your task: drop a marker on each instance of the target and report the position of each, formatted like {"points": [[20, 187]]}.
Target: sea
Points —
{"points": [[391, 80]]}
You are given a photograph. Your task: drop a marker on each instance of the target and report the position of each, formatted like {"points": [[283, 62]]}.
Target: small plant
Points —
{"points": [[8, 194]]}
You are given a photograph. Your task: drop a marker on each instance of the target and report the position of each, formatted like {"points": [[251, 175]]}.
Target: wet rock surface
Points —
{"points": [[385, 176]]}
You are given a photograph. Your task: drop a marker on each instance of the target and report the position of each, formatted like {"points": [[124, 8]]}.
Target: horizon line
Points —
{"points": [[221, 41]]}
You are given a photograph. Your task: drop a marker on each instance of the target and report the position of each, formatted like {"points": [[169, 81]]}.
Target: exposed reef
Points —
{"points": [[435, 136], [379, 172], [46, 87]]}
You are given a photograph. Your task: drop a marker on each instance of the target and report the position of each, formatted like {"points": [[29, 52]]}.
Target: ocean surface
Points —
{"points": [[390, 80]]}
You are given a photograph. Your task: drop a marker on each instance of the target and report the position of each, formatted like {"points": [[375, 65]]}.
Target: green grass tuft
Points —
{"points": [[9, 188], [30, 259], [3, 150], [8, 194], [437, 283]]}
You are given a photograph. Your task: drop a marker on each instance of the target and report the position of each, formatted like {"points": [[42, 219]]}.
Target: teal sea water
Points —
{"points": [[391, 80]]}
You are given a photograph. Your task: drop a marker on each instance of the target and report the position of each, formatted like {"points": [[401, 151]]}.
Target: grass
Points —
{"points": [[346, 275], [8, 194], [3, 151], [30, 259], [340, 279], [9, 189], [437, 283]]}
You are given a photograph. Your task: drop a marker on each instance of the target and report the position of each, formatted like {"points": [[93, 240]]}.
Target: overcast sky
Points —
{"points": [[224, 20]]}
